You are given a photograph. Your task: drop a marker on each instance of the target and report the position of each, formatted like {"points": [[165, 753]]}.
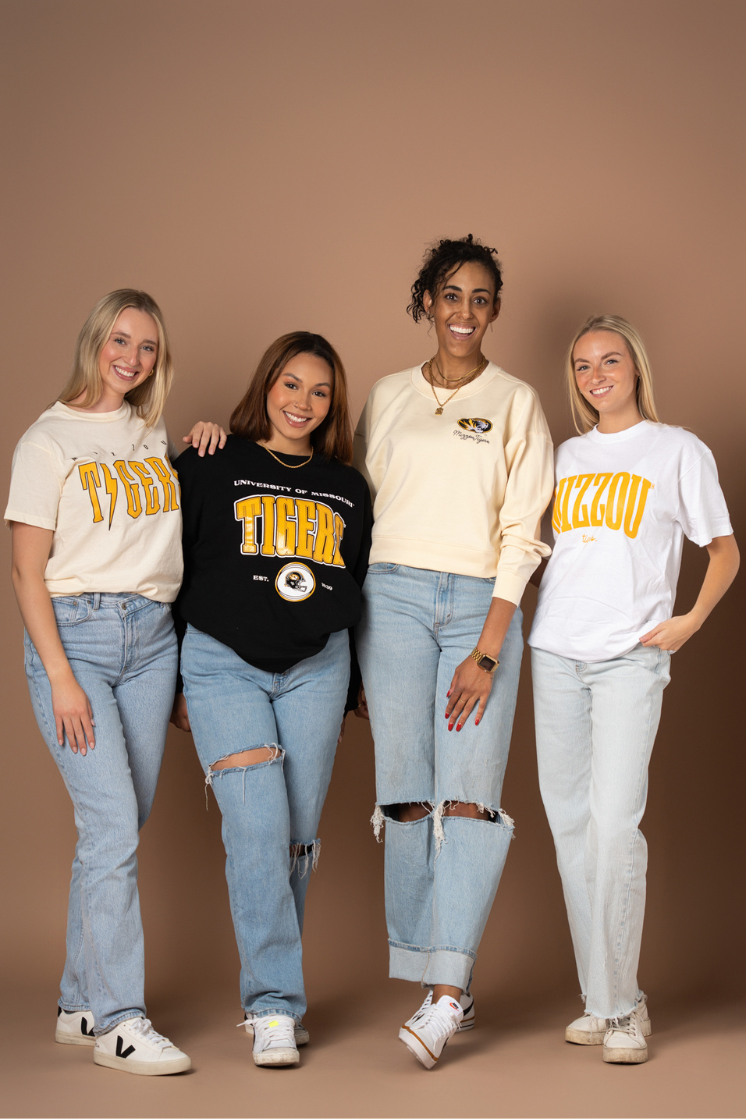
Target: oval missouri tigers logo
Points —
{"points": [[477, 425]]}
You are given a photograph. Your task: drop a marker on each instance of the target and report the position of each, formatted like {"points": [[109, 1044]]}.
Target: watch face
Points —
{"points": [[487, 663]]}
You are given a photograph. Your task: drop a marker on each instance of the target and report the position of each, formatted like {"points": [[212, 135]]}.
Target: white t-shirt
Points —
{"points": [[103, 482], [622, 506]]}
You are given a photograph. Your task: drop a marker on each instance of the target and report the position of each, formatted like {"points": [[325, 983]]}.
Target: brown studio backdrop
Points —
{"points": [[262, 168]]}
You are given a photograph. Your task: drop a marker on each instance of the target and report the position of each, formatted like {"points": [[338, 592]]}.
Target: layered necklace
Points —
{"points": [[290, 466], [458, 381]]}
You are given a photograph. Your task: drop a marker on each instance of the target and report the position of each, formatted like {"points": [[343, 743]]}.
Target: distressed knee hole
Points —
{"points": [[246, 757], [467, 811], [308, 852], [243, 760]]}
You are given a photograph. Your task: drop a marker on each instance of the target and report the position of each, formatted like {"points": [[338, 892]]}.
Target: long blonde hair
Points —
{"points": [[149, 398], [584, 415]]}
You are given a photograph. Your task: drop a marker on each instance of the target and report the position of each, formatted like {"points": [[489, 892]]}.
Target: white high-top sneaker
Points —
{"points": [[134, 1046], [467, 1005], [427, 1032], [590, 1030], [274, 1041], [74, 1027], [625, 1043], [302, 1036]]}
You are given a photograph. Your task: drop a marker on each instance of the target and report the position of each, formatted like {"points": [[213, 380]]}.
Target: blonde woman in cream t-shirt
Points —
{"points": [[459, 460], [628, 491], [96, 516]]}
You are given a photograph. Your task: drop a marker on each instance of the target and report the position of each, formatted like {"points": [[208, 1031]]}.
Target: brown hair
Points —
{"points": [[584, 415], [148, 398], [333, 437]]}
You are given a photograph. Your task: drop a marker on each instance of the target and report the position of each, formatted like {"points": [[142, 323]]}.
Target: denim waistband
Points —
{"points": [[104, 600]]}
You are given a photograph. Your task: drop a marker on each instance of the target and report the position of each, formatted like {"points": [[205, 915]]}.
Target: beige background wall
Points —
{"points": [[267, 167]]}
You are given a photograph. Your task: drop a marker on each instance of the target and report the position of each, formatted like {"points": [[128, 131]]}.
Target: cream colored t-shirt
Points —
{"points": [[103, 482], [462, 492]]}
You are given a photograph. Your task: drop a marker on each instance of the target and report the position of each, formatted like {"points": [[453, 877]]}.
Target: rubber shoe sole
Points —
{"points": [[625, 1056], [596, 1037], [417, 1047], [142, 1068], [277, 1058]]}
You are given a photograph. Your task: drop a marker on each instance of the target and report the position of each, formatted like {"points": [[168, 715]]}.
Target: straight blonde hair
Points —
{"points": [[584, 415], [149, 398]]}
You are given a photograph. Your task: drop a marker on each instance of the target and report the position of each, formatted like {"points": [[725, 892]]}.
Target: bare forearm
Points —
{"points": [[38, 618], [721, 571], [496, 625]]}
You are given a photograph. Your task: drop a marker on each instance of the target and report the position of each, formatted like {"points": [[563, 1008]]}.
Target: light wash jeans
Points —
{"points": [[595, 729], [272, 806], [441, 872], [123, 652]]}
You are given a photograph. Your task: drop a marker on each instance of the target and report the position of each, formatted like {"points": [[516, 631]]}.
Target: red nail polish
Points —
{"points": [[450, 726]]}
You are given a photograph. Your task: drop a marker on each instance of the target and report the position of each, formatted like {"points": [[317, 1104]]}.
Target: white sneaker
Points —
{"points": [[134, 1046], [467, 1005], [274, 1040], [625, 1043], [74, 1027], [428, 1031], [302, 1036], [590, 1030]]}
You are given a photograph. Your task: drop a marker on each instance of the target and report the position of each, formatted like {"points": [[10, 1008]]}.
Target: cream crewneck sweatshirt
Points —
{"points": [[463, 492]]}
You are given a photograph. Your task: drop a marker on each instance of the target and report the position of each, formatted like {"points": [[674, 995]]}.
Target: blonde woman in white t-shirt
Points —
{"points": [[628, 490], [95, 511]]}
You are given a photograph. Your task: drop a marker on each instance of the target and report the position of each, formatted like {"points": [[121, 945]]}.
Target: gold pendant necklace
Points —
{"points": [[287, 464], [464, 381]]}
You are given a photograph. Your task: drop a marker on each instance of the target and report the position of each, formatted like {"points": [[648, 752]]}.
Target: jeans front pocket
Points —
{"points": [[382, 568], [69, 611]]}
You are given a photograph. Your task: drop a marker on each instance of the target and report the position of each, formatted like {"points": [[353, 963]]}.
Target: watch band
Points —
{"points": [[480, 658]]}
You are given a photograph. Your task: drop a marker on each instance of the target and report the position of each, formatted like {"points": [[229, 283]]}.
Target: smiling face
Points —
{"points": [[606, 376], [462, 310], [128, 357], [298, 402]]}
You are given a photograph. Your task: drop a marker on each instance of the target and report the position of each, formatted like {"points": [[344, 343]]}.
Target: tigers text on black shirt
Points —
{"points": [[274, 557]]}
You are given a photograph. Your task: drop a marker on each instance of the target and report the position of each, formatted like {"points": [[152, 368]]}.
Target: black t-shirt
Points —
{"points": [[274, 558]]}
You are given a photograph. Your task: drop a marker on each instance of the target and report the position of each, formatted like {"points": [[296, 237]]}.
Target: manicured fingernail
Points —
{"points": [[458, 728], [450, 726], [476, 722]]}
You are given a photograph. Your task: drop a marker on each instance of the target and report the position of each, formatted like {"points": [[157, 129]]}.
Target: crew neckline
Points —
{"points": [[423, 386], [597, 436], [123, 412]]}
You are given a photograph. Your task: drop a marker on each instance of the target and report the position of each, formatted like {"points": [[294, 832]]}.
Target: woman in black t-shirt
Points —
{"points": [[276, 541]]}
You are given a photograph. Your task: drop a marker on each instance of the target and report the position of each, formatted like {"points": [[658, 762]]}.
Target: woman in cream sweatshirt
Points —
{"points": [[458, 457]]}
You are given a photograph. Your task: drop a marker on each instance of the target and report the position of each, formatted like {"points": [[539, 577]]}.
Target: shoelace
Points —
{"points": [[144, 1028], [276, 1032], [438, 1021]]}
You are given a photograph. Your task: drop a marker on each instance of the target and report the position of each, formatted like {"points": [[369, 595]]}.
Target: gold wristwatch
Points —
{"points": [[487, 664]]}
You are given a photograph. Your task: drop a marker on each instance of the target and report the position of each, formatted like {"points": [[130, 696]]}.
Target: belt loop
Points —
{"points": [[96, 600]]}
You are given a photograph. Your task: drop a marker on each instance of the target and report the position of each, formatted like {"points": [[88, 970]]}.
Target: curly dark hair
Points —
{"points": [[442, 259]]}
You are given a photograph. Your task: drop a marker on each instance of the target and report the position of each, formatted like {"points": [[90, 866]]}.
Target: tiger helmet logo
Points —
{"points": [[295, 582], [479, 426]]}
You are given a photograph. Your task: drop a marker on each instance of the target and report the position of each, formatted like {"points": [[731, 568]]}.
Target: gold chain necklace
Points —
{"points": [[464, 381], [289, 465]]}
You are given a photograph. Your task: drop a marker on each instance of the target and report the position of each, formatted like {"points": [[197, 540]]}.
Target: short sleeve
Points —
{"points": [[35, 487], [703, 514]]}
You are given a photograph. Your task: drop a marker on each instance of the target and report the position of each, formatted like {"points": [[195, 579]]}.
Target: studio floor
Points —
{"points": [[514, 1063]]}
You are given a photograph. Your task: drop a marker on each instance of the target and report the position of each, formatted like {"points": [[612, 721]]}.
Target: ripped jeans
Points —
{"points": [[270, 807], [442, 871]]}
